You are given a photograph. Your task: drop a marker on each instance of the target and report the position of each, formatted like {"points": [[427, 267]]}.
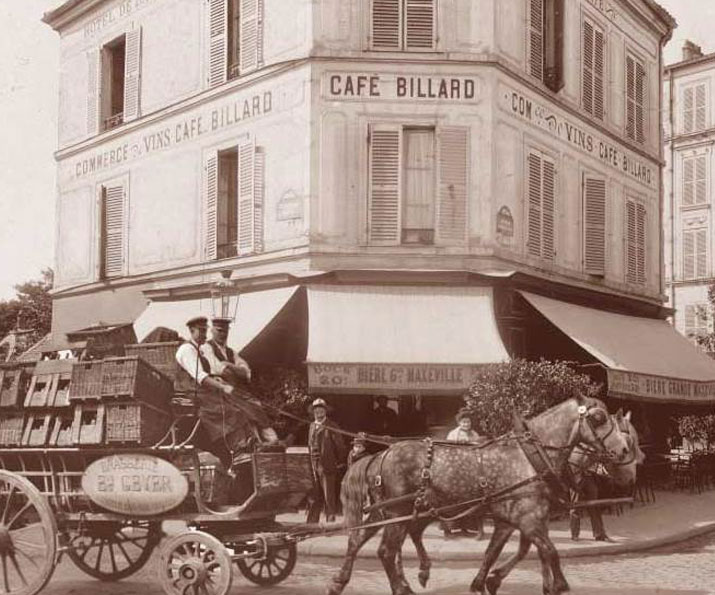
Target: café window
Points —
{"points": [[636, 222], [417, 187], [695, 253], [593, 67], [235, 38], [234, 190], [114, 82], [636, 92], [694, 112], [402, 25], [694, 180], [696, 320], [541, 201], [544, 42], [113, 229], [594, 225]]}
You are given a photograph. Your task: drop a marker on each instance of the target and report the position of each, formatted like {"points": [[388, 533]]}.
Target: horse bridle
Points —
{"points": [[584, 417]]}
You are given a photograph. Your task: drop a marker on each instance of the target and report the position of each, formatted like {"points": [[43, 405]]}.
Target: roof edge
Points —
{"points": [[67, 12]]}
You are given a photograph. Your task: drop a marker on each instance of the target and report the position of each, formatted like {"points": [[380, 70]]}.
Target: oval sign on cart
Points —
{"points": [[134, 484]]}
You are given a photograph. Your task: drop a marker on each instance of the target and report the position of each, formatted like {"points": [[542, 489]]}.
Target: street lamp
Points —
{"points": [[224, 302]]}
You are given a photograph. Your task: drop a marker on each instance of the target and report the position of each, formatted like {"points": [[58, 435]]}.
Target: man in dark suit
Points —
{"points": [[327, 457]]}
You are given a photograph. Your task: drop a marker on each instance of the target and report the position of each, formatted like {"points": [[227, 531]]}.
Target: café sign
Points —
{"points": [[659, 388], [404, 378]]}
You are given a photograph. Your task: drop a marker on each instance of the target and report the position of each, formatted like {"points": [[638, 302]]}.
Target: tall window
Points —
{"points": [[636, 222], [694, 180], [695, 253], [594, 225], [696, 320], [541, 200], [636, 90], [402, 24], [112, 230], [417, 187], [694, 108], [593, 65], [544, 42]]}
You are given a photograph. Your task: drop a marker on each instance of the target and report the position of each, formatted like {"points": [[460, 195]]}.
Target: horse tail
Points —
{"points": [[354, 491]]}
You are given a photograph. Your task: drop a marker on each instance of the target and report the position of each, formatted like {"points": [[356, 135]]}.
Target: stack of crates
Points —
{"points": [[47, 402], [14, 382]]}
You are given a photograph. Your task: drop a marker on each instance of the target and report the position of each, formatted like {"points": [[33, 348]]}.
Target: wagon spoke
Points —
{"points": [[19, 513], [99, 555], [29, 559], [5, 580], [31, 545], [112, 559], [128, 558], [13, 559], [6, 509]]}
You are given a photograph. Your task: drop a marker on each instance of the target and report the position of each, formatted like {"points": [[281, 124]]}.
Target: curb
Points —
{"points": [[329, 550]]}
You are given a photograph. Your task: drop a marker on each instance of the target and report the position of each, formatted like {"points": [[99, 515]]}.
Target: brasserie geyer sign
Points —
{"points": [[659, 388], [577, 136], [406, 378]]}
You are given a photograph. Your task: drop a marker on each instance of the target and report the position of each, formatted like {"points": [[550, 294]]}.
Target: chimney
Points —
{"points": [[691, 51]]}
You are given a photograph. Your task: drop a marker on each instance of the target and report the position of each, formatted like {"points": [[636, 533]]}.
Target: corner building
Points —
{"points": [[394, 191]]}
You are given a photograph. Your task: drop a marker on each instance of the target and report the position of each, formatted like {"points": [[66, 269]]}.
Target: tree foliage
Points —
{"points": [[282, 388], [697, 429], [31, 308], [522, 386]]}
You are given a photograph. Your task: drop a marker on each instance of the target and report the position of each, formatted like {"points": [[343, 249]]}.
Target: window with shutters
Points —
{"points": [[417, 187], [234, 196], [403, 25], [694, 180], [694, 108], [636, 93], [696, 320], [594, 225], [544, 42], [593, 66], [695, 253], [235, 38], [540, 200], [636, 248], [112, 230]]}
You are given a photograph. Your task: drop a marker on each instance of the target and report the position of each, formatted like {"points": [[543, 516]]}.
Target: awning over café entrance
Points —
{"points": [[645, 359], [398, 339]]}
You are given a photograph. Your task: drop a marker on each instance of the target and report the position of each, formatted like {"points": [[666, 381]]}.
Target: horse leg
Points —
{"points": [[416, 530], [495, 578], [356, 539], [553, 579], [393, 537], [501, 534]]}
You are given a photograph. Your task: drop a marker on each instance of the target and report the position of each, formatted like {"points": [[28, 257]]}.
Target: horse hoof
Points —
{"points": [[335, 588], [493, 583], [423, 577], [477, 587]]}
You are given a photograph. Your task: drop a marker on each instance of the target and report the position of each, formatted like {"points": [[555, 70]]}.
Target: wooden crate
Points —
{"points": [[41, 391], [133, 378], [14, 382], [49, 376], [12, 426], [163, 357], [135, 423], [37, 429], [88, 424], [86, 381], [62, 390], [282, 472], [61, 434]]}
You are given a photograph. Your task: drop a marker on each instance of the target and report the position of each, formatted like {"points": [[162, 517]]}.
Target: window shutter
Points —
{"points": [[251, 35], [641, 90], [132, 74], [700, 113], [541, 205], [533, 242], [218, 39], [94, 84], [113, 199], [384, 185], [259, 200], [688, 180], [548, 207], [599, 65], [688, 109], [593, 66], [535, 40], [452, 203], [419, 24], [386, 24], [587, 67], [701, 253], [594, 225], [631, 243], [688, 255], [211, 206], [641, 243], [700, 185], [630, 98], [246, 198], [691, 319]]}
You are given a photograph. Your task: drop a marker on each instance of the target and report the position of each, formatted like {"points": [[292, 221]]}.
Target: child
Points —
{"points": [[358, 450]]}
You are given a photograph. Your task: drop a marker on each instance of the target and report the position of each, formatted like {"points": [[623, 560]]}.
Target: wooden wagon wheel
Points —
{"points": [[195, 563], [110, 551], [28, 536], [271, 570]]}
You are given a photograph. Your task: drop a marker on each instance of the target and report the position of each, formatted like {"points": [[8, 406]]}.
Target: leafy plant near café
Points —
{"points": [[698, 429], [522, 386], [282, 388]]}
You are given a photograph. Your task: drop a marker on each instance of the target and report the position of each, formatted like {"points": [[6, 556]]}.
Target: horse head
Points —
{"points": [[623, 471], [598, 430]]}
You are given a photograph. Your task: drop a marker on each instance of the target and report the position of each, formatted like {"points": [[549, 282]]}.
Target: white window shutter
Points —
{"points": [[700, 107], [211, 206], [594, 225], [246, 198], [599, 67], [688, 254], [113, 225], [641, 238], [218, 42], [688, 109], [630, 97], [587, 35], [132, 74], [259, 198], [688, 180], [94, 85], [700, 185], [419, 24], [548, 209], [384, 216], [701, 251], [535, 39], [251, 34], [452, 198], [593, 63], [691, 319], [534, 190], [386, 24], [641, 94], [631, 241]]}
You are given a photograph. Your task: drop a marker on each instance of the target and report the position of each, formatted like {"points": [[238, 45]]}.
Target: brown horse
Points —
{"points": [[445, 474]]}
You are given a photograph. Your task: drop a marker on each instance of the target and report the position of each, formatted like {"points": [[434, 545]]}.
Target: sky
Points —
{"points": [[29, 71]]}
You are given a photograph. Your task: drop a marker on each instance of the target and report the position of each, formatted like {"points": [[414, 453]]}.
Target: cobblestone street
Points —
{"points": [[684, 569]]}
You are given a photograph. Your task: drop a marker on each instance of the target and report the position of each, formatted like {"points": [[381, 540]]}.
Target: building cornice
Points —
{"points": [[68, 12]]}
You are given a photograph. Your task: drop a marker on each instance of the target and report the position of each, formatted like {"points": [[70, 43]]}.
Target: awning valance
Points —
{"points": [[646, 359], [401, 339]]}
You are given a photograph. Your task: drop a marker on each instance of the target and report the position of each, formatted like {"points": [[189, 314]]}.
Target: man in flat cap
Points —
{"points": [[226, 427]]}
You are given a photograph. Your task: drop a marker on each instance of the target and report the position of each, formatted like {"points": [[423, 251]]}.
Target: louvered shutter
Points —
{"points": [[541, 189], [688, 180], [386, 24], [688, 109], [631, 240], [630, 98], [259, 197], [593, 69], [688, 254], [419, 24], [533, 242], [594, 225], [452, 203], [132, 74], [384, 185], [211, 206], [599, 67], [548, 208], [535, 39], [587, 67], [246, 198], [701, 253], [641, 223], [113, 218], [641, 84], [251, 35], [700, 108], [94, 84], [700, 183], [218, 42], [691, 319]]}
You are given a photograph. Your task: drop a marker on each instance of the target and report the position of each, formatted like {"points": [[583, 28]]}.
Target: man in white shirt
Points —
{"points": [[223, 360]]}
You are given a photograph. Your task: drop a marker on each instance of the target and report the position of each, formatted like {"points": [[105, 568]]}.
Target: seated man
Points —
{"points": [[226, 425]]}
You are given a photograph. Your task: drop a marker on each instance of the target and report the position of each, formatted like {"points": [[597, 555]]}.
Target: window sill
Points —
{"points": [[696, 207]]}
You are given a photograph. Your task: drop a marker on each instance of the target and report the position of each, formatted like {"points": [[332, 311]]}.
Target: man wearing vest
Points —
{"points": [[226, 426]]}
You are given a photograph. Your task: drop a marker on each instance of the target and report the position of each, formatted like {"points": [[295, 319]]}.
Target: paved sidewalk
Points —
{"points": [[675, 516]]}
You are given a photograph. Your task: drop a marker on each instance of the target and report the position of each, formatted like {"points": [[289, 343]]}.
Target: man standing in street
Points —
{"points": [[327, 457]]}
